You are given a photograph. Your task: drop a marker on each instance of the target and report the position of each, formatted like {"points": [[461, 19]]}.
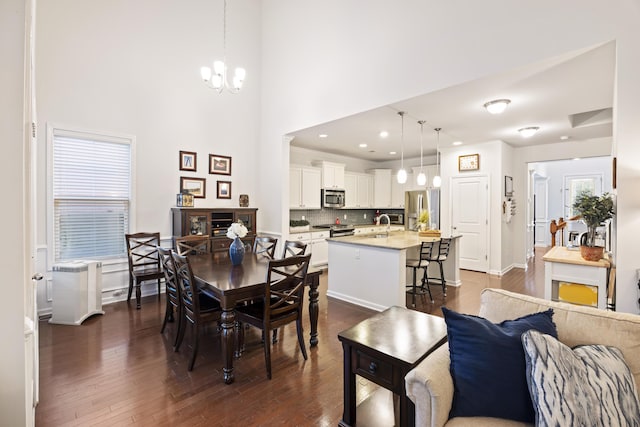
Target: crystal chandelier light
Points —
{"points": [[217, 80], [402, 173], [422, 178]]}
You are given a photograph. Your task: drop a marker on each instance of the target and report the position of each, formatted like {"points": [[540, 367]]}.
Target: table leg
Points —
{"points": [[313, 309], [349, 392], [228, 320]]}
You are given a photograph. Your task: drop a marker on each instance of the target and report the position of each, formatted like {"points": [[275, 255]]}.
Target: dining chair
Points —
{"points": [[192, 245], [197, 308], [173, 309], [293, 248], [281, 304], [440, 256], [265, 245], [144, 262], [427, 249]]}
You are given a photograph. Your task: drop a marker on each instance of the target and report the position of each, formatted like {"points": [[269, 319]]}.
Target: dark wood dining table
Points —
{"points": [[230, 285]]}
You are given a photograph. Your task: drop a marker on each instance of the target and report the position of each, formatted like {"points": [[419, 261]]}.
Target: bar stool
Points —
{"points": [[426, 251], [440, 257]]}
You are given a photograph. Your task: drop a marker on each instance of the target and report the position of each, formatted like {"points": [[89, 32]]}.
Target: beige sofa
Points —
{"points": [[430, 385]]}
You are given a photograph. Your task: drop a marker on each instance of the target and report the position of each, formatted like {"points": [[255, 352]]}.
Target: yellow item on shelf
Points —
{"points": [[578, 294], [429, 233]]}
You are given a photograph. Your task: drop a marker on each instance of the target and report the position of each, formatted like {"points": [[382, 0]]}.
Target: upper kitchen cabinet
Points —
{"points": [[304, 187], [332, 174], [397, 190], [358, 190], [381, 188], [430, 171]]}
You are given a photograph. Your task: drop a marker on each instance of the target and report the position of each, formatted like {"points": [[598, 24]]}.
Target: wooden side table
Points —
{"points": [[383, 349]]}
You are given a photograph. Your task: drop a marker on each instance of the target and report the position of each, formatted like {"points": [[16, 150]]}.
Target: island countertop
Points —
{"points": [[393, 240]]}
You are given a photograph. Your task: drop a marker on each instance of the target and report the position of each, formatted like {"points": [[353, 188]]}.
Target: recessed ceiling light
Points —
{"points": [[576, 158], [457, 142], [362, 145], [384, 134], [528, 131], [323, 135], [392, 152], [497, 106], [564, 137]]}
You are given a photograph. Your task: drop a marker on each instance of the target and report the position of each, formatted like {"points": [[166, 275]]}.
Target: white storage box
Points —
{"points": [[77, 291]]}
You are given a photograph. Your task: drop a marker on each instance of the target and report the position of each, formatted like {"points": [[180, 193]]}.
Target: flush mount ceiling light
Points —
{"points": [[402, 173], [422, 178], [497, 106], [528, 131], [217, 80], [437, 181]]}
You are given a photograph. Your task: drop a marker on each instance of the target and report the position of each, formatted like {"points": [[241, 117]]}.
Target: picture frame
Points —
{"points": [[469, 162], [188, 161], [196, 186], [508, 186], [219, 165], [223, 189]]}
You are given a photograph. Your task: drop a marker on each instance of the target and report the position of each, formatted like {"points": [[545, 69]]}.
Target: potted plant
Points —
{"points": [[594, 211], [423, 220]]}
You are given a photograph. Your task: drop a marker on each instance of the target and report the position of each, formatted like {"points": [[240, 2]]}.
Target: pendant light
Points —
{"points": [[402, 173], [422, 178], [437, 181]]}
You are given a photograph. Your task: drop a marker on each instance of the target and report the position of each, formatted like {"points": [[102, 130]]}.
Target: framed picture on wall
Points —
{"points": [[188, 161], [195, 186], [219, 165], [508, 186], [469, 162], [223, 189]]}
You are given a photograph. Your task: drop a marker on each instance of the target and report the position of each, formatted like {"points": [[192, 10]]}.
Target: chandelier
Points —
{"points": [[217, 79]]}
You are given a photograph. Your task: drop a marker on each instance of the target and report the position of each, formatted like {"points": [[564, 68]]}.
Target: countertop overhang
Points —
{"points": [[394, 240]]}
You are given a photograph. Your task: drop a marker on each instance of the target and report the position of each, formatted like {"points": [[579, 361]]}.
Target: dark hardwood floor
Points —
{"points": [[118, 369]]}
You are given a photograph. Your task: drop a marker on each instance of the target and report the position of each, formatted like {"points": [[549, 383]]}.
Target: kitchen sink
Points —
{"points": [[381, 235]]}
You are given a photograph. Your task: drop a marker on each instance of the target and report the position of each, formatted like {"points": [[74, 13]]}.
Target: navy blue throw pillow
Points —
{"points": [[488, 364]]}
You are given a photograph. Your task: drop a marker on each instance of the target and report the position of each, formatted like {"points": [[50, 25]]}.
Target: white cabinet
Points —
{"points": [[381, 188], [358, 187], [319, 248], [430, 171], [304, 187], [397, 191], [332, 174]]}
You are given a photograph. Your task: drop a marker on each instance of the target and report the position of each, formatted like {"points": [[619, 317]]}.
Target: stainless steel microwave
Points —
{"points": [[332, 198], [396, 218]]}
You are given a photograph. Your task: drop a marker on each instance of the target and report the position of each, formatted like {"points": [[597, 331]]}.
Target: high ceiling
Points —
{"points": [[569, 96]]}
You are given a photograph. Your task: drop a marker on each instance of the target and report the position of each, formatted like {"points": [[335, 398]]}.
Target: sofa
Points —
{"points": [[430, 385]]}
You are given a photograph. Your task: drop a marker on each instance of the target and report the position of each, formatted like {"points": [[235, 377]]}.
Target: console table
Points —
{"points": [[373, 350]]}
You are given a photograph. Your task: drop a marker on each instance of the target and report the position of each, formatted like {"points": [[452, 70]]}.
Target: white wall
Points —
{"points": [[12, 256], [370, 56], [134, 68]]}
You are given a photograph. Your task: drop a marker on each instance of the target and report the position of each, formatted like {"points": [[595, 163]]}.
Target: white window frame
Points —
{"points": [[597, 179], [54, 130]]}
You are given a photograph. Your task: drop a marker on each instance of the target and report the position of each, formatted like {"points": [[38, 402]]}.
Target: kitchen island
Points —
{"points": [[370, 270]]}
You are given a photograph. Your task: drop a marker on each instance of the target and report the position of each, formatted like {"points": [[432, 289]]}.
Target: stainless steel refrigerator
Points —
{"points": [[417, 200]]}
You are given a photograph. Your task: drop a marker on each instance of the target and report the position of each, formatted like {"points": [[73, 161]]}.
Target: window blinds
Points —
{"points": [[91, 197]]}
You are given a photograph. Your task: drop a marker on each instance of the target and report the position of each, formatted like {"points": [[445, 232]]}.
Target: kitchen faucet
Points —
{"points": [[388, 221]]}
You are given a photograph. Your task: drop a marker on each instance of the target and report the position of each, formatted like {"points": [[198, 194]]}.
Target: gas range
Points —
{"points": [[337, 230]]}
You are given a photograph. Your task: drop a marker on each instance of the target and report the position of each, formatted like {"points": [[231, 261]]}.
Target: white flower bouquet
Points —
{"points": [[237, 229]]}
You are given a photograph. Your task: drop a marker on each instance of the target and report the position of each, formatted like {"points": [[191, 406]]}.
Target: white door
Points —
{"points": [[540, 211], [469, 218]]}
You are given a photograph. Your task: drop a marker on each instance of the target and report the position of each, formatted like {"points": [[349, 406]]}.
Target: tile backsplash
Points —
{"points": [[328, 216]]}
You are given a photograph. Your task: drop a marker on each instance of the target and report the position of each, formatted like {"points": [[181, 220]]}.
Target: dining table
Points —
{"points": [[233, 284]]}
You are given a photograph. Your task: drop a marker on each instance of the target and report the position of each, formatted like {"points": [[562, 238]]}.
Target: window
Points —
{"points": [[575, 185], [90, 194]]}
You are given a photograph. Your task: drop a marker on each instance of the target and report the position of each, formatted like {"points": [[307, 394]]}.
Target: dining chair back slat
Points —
{"points": [[144, 262]]}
